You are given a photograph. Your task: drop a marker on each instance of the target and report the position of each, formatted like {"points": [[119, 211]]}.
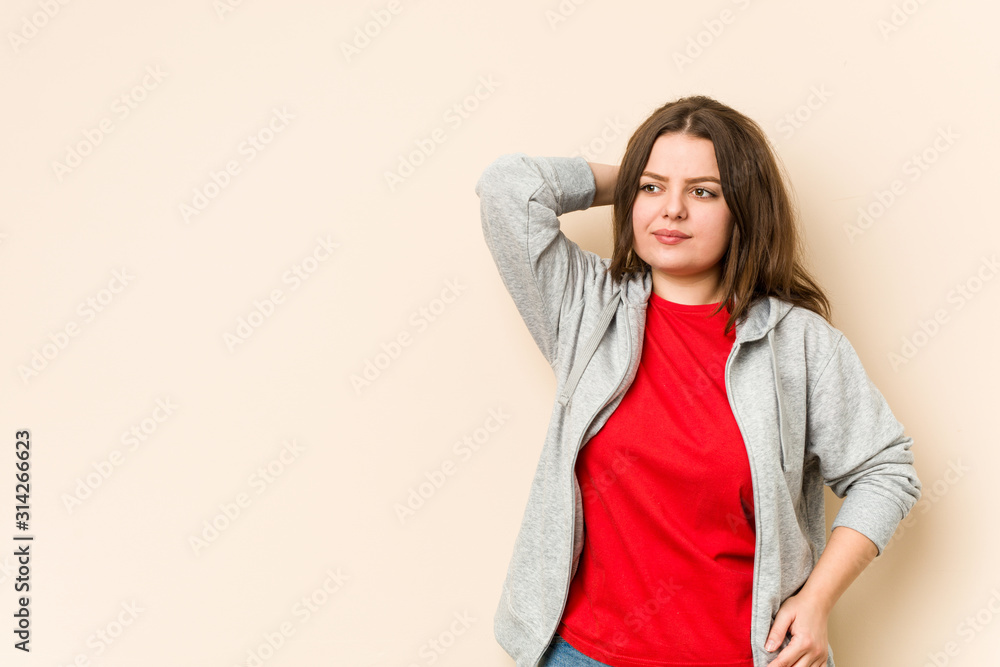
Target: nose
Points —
{"points": [[673, 205]]}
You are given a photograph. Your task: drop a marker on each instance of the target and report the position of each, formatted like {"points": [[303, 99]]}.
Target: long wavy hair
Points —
{"points": [[765, 252]]}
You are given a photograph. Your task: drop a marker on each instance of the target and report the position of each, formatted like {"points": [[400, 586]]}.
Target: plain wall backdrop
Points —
{"points": [[249, 314]]}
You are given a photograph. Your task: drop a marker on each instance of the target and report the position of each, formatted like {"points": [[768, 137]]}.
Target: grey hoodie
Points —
{"points": [[807, 410]]}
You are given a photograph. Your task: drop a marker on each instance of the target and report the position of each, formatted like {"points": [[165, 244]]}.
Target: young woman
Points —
{"points": [[676, 516]]}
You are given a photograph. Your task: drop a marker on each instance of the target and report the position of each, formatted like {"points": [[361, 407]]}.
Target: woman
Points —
{"points": [[676, 515]]}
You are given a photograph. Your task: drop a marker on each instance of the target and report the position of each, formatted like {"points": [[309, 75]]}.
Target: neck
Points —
{"points": [[688, 290]]}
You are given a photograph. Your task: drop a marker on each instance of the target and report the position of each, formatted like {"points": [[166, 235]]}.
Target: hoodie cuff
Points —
{"points": [[871, 513], [574, 181]]}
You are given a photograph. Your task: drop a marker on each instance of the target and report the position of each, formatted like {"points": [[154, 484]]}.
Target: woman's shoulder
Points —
{"points": [[807, 317], [815, 330]]}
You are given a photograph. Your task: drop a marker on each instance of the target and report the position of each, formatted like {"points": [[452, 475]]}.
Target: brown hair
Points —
{"points": [[764, 256]]}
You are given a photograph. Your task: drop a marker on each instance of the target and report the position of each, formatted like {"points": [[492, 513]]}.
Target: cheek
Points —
{"points": [[723, 230], [727, 225], [641, 214]]}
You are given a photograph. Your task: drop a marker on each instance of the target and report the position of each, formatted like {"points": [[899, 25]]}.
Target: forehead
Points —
{"points": [[682, 154]]}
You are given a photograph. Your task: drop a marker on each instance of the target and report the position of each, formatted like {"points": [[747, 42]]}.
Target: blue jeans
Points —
{"points": [[561, 653]]}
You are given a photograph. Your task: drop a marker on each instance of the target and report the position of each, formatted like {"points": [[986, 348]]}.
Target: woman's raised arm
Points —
{"points": [[545, 272], [605, 177]]}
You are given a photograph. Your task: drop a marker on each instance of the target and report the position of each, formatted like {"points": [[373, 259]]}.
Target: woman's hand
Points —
{"points": [[846, 555], [807, 619]]}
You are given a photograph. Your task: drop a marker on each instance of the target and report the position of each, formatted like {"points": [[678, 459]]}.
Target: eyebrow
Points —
{"points": [[697, 179]]}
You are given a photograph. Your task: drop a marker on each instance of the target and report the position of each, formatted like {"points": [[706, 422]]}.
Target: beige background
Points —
{"points": [[563, 76]]}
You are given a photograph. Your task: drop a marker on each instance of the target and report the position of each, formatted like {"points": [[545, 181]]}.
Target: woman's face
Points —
{"points": [[679, 191]]}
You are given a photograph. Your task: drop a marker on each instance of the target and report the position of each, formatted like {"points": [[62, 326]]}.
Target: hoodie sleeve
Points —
{"points": [[862, 451], [520, 197]]}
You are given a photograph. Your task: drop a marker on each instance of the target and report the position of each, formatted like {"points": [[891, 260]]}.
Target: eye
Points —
{"points": [[709, 194], [647, 185]]}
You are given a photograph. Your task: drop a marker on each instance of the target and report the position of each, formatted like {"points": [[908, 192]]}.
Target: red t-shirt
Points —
{"points": [[666, 573]]}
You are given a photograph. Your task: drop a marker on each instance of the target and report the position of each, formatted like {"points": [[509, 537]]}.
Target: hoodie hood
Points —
{"points": [[762, 317], [759, 322]]}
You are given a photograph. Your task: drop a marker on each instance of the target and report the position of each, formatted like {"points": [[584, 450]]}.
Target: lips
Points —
{"points": [[666, 238], [671, 233]]}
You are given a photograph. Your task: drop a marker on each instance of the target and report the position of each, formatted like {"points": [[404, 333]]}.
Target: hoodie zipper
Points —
{"points": [[777, 396], [628, 366], [756, 500], [588, 351]]}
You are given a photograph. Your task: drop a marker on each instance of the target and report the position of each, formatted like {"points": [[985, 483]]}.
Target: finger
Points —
{"points": [[823, 660], [778, 632], [811, 662], [794, 655]]}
